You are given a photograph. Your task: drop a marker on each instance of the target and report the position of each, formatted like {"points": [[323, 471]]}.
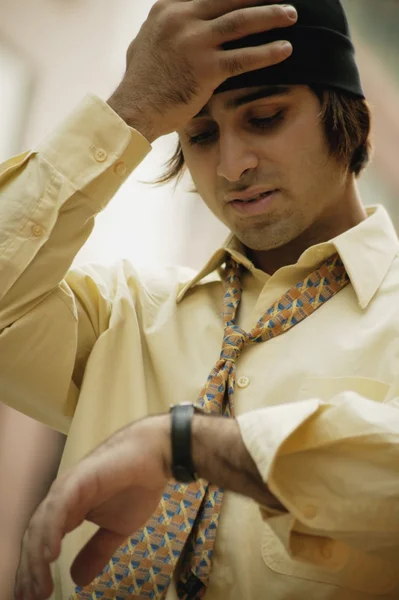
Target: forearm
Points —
{"points": [[49, 198], [220, 457]]}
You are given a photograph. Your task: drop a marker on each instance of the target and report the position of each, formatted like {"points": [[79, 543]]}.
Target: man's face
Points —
{"points": [[270, 139]]}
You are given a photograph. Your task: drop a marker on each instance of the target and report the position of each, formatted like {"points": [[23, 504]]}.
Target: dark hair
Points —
{"points": [[347, 124]]}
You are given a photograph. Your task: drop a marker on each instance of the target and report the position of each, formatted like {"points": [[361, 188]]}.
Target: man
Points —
{"points": [[286, 341]]}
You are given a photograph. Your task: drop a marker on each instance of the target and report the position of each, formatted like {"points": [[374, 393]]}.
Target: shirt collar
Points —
{"points": [[366, 250]]}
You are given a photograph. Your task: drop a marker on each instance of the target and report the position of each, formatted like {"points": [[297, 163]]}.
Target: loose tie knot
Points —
{"points": [[234, 341]]}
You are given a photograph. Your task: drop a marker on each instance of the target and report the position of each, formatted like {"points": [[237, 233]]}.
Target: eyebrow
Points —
{"points": [[265, 92]]}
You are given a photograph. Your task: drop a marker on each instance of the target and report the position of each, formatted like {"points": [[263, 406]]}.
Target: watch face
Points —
{"points": [[182, 463]]}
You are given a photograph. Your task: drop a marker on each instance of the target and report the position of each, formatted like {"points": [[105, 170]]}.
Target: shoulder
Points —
{"points": [[121, 277]]}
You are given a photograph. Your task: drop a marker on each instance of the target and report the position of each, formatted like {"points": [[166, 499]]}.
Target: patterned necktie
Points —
{"points": [[187, 516]]}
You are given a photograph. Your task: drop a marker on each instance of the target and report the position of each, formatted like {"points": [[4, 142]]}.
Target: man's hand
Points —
{"points": [[177, 61], [118, 487]]}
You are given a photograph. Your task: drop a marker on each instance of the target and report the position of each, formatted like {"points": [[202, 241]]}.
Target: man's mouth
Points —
{"points": [[254, 205], [251, 194], [257, 197]]}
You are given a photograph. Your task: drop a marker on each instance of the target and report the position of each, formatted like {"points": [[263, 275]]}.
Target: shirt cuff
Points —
{"points": [[95, 150], [265, 433]]}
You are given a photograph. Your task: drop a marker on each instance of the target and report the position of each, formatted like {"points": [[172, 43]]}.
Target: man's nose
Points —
{"points": [[235, 158]]}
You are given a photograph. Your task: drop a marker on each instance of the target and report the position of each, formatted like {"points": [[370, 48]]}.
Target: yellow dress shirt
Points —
{"points": [[88, 350]]}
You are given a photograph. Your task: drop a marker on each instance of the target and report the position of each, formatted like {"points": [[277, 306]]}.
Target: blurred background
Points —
{"points": [[52, 52]]}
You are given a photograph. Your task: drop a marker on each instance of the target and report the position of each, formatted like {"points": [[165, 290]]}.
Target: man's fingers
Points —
{"points": [[64, 509], [92, 559], [211, 9], [34, 580], [37, 552], [243, 60], [241, 23], [40, 573], [18, 587], [42, 543], [25, 586]]}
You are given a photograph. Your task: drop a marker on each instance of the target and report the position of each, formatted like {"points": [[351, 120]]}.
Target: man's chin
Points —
{"points": [[266, 237]]}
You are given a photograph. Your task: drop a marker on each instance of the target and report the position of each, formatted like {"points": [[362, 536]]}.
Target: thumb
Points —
{"points": [[95, 555]]}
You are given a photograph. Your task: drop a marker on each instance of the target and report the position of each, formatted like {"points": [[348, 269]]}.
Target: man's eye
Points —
{"points": [[203, 138], [267, 122], [263, 123]]}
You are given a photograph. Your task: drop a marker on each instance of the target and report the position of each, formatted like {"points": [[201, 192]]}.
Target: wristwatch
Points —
{"points": [[183, 469]]}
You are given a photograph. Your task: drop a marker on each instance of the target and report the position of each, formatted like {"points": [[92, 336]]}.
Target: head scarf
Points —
{"points": [[323, 52]]}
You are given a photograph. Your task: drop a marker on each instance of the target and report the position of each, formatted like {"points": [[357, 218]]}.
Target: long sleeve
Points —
{"points": [[49, 198], [334, 465]]}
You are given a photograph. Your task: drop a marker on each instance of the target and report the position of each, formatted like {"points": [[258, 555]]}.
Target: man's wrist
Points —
{"points": [[133, 116], [221, 457], [219, 453], [158, 432]]}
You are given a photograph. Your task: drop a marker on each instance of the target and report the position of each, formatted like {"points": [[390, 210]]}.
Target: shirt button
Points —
{"points": [[327, 552], [310, 511], [100, 155], [243, 382], [120, 168], [37, 231]]}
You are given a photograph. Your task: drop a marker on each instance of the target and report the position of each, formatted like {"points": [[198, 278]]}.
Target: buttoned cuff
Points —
{"points": [[95, 150]]}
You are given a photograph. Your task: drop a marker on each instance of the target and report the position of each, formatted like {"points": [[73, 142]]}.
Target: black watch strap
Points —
{"points": [[182, 463]]}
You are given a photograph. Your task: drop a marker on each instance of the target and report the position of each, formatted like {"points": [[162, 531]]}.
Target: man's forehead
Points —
{"points": [[233, 99]]}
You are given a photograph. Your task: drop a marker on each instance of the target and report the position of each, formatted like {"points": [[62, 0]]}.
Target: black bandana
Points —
{"points": [[323, 51]]}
